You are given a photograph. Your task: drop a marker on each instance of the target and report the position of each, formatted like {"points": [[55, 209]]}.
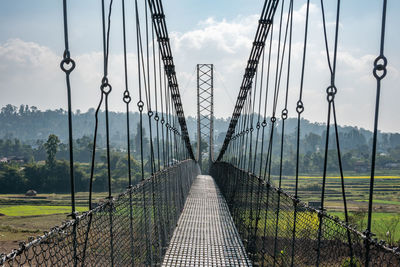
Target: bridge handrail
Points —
{"points": [[56, 245], [238, 191]]}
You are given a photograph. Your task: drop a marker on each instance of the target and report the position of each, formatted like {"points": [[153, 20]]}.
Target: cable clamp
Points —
{"points": [[158, 16], [163, 39], [265, 21]]}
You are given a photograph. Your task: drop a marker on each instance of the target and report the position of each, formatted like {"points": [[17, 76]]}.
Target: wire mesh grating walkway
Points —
{"points": [[205, 234]]}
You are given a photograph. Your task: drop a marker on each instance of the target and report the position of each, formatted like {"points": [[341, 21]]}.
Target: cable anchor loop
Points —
{"points": [[105, 87], [300, 107], [331, 92], [380, 70], [127, 98], [264, 123], [140, 105], [67, 64], [285, 113]]}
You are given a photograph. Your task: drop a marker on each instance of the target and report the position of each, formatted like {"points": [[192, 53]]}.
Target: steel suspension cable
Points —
{"points": [[338, 147], [106, 90], [253, 103], [140, 104], [156, 116], [249, 133], [379, 72], [67, 65], [148, 94], [249, 169], [127, 99], [258, 125], [278, 72], [284, 116], [331, 92], [264, 123], [299, 110], [162, 85]]}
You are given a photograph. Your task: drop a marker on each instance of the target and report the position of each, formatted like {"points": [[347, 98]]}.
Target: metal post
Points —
{"points": [[205, 110], [211, 147]]}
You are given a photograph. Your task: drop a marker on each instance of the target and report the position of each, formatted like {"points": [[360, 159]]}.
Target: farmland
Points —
{"points": [[31, 216], [22, 217], [386, 191]]}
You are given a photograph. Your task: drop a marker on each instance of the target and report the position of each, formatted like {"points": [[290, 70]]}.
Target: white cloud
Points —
{"points": [[29, 72]]}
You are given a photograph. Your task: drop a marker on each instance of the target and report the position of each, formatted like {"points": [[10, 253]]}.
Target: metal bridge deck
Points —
{"points": [[205, 234]]}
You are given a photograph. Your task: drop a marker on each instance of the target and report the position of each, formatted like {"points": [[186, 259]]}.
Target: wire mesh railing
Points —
{"points": [[278, 230], [132, 229]]}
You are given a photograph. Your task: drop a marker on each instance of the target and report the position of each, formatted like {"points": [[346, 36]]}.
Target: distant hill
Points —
{"points": [[29, 124]]}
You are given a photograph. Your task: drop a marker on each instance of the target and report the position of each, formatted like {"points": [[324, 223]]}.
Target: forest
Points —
{"points": [[34, 149]]}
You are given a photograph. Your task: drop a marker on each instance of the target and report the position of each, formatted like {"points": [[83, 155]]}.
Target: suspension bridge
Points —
{"points": [[236, 215]]}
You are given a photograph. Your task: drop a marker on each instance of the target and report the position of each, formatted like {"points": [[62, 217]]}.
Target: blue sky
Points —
{"points": [[219, 32]]}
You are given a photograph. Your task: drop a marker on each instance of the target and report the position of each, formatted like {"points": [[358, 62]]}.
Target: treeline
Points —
{"points": [[355, 152], [15, 150], [52, 174], [29, 124], [27, 134]]}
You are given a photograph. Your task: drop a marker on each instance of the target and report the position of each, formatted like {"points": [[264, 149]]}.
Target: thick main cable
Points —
{"points": [[264, 26]]}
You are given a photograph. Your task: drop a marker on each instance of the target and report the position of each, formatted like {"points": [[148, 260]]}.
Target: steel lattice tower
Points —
{"points": [[205, 109]]}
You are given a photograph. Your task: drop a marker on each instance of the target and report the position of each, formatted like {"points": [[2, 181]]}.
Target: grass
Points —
{"points": [[31, 216], [353, 177], [386, 191], [382, 222], [81, 199], [30, 210], [380, 201]]}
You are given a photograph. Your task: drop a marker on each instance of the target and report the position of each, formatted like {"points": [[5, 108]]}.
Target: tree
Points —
{"points": [[203, 145], [137, 140], [35, 175], [51, 147], [9, 110], [12, 180], [312, 141]]}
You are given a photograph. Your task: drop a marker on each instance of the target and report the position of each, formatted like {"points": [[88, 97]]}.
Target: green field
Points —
{"points": [[385, 225], [29, 210], [22, 217], [386, 191], [30, 216]]}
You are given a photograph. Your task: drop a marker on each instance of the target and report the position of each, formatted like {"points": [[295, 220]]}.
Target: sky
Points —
{"points": [[208, 31]]}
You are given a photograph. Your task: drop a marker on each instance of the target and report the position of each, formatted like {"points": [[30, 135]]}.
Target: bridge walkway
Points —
{"points": [[206, 234]]}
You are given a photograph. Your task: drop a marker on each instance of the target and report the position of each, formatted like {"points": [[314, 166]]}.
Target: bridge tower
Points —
{"points": [[205, 110]]}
